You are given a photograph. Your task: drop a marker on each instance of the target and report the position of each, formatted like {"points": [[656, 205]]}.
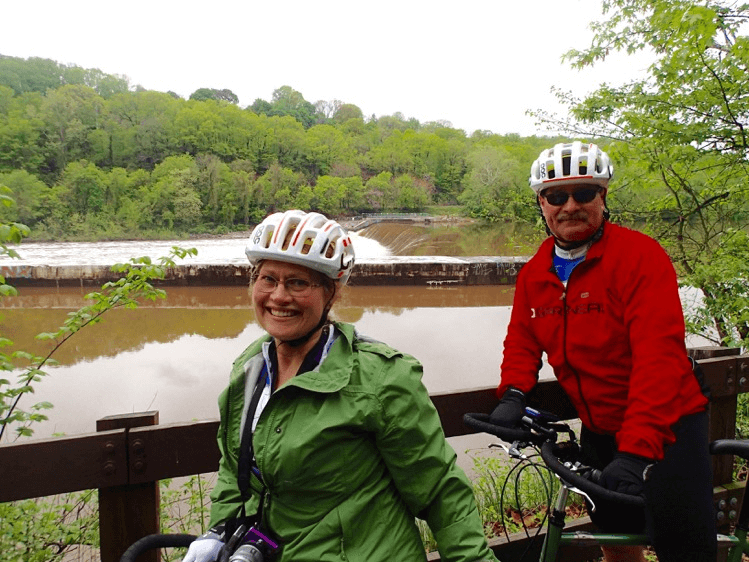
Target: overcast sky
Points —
{"points": [[479, 64]]}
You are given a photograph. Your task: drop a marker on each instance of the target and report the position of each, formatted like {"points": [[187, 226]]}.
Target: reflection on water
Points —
{"points": [[174, 355]]}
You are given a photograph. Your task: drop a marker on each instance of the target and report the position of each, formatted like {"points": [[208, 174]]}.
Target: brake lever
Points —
{"points": [[577, 469], [513, 451], [584, 494]]}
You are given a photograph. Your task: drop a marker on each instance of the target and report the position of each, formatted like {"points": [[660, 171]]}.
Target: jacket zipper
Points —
{"points": [[564, 351]]}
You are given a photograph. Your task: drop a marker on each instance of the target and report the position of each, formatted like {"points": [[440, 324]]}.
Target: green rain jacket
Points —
{"points": [[350, 454]]}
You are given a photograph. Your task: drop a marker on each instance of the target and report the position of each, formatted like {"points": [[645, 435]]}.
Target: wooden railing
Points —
{"points": [[129, 454]]}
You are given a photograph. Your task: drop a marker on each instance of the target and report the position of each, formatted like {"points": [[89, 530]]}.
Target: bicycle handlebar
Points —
{"points": [[480, 422], [587, 485], [150, 542], [544, 435]]}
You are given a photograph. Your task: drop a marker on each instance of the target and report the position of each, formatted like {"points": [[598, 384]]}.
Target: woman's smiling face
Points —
{"points": [[283, 315]]}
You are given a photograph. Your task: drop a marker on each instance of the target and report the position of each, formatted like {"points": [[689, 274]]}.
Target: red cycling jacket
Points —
{"points": [[614, 337]]}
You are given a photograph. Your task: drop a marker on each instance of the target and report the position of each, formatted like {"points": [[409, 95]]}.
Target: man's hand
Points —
{"points": [[626, 474], [510, 409]]}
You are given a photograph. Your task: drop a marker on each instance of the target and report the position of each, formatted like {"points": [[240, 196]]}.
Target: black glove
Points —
{"points": [[626, 474], [510, 409]]}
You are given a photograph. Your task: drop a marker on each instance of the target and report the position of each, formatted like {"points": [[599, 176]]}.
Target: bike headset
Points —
{"points": [[573, 163], [307, 239]]}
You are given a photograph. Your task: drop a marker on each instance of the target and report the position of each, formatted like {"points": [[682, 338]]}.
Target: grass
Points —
{"points": [[513, 496]]}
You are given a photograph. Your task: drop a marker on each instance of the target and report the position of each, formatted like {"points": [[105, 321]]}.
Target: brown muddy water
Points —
{"points": [[174, 355]]}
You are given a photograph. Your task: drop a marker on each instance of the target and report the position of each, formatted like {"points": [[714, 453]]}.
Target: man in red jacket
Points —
{"points": [[602, 302]]}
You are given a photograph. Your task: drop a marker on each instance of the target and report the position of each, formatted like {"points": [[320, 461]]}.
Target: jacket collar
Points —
{"points": [[335, 371], [546, 250]]}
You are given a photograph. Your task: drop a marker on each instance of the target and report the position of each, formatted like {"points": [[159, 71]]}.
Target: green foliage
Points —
{"points": [[678, 136], [93, 152], [39, 75], [514, 495], [495, 498], [202, 94], [50, 529], [185, 508], [723, 315], [493, 188]]}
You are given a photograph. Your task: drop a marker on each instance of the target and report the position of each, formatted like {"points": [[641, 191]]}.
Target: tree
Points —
{"points": [[491, 191], [334, 196], [287, 101], [394, 155], [31, 75], [347, 111], [27, 191], [171, 199], [20, 133], [327, 109], [141, 129], [86, 187], [213, 183], [276, 189], [412, 195], [326, 146], [682, 129], [378, 191], [70, 114], [202, 94]]}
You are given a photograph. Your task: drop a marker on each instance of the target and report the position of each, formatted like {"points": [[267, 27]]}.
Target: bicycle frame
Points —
{"points": [[555, 537]]}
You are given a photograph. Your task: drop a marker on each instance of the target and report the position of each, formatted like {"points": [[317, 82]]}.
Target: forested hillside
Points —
{"points": [[87, 155]]}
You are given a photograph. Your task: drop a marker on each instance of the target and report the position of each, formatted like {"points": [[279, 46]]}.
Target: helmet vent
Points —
{"points": [[306, 246], [268, 236], [329, 250], [290, 230]]}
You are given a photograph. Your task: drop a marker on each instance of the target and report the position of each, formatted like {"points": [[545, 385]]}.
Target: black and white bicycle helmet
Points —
{"points": [[573, 162], [307, 239]]}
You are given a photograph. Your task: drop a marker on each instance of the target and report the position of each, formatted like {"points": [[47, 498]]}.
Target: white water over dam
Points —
{"points": [[211, 251]]}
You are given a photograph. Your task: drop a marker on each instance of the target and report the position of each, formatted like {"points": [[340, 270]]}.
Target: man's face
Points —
{"points": [[573, 221]]}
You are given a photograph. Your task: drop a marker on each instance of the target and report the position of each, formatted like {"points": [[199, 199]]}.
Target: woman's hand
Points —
{"points": [[204, 549]]}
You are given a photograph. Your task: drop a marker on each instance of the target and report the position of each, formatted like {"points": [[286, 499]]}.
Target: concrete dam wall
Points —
{"points": [[403, 270]]}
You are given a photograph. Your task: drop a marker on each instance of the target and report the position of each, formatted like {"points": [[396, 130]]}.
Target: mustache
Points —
{"points": [[576, 216]]}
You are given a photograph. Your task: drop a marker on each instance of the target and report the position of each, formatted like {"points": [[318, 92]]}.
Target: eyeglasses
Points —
{"points": [[294, 286], [559, 198]]}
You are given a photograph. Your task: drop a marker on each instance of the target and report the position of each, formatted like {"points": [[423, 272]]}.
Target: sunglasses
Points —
{"points": [[559, 198]]}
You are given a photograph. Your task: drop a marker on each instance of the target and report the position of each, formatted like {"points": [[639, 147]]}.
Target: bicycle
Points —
{"points": [[540, 430]]}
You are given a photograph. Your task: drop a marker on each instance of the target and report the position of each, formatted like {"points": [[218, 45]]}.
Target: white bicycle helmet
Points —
{"points": [[308, 239], [572, 162]]}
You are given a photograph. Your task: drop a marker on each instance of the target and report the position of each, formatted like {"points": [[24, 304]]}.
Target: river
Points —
{"points": [[174, 355]]}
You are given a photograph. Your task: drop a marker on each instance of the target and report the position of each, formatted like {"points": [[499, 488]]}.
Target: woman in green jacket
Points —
{"points": [[330, 445]]}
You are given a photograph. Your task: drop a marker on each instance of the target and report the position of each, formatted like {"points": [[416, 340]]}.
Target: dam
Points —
{"points": [[393, 270], [221, 262]]}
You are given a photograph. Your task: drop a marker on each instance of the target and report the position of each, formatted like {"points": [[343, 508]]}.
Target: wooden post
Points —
{"points": [[128, 512]]}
